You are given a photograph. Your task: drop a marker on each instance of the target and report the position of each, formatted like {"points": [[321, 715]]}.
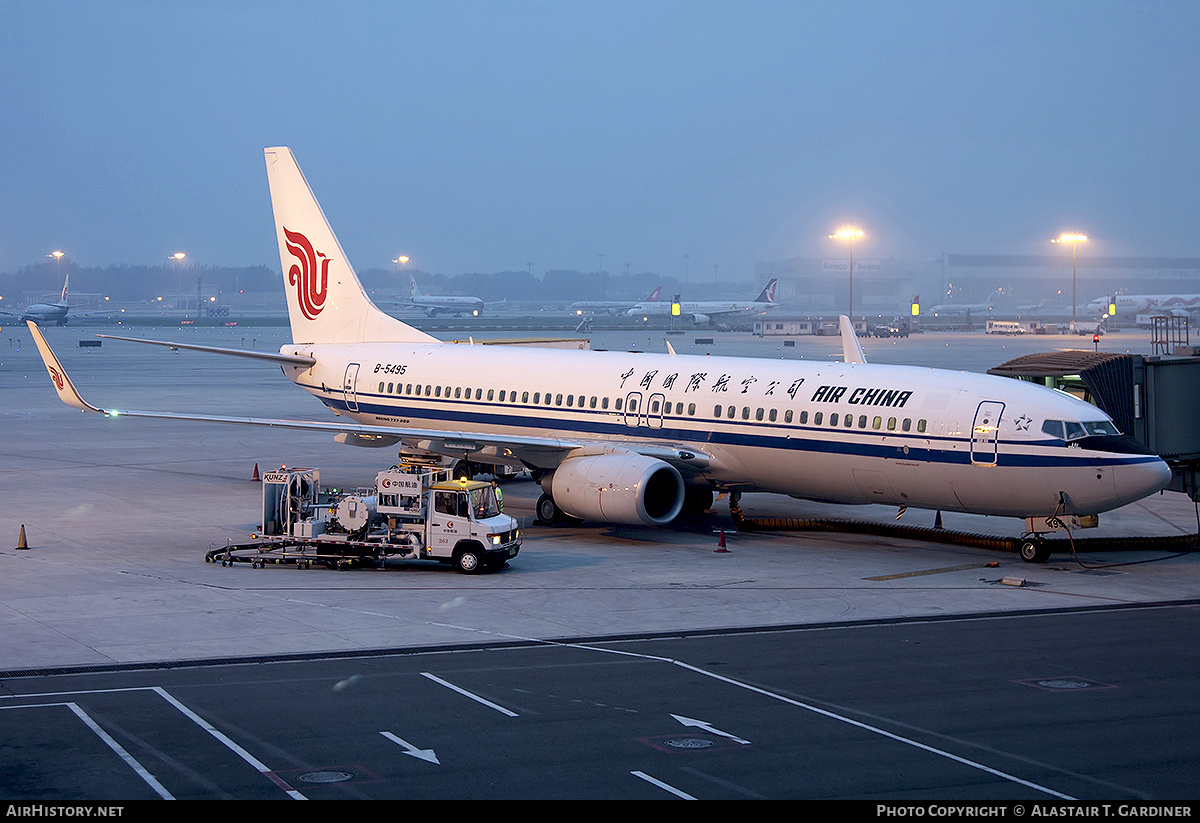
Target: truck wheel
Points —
{"points": [[469, 561], [1034, 550]]}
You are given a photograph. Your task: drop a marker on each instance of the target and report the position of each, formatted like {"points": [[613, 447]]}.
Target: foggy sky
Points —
{"points": [[482, 136]]}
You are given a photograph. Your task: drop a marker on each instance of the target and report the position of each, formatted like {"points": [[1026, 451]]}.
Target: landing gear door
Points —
{"points": [[348, 387], [985, 433]]}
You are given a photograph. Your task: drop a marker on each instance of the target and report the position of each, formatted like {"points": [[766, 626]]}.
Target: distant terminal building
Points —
{"points": [[1012, 283]]}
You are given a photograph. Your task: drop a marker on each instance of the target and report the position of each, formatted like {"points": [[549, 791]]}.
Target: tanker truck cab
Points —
{"points": [[465, 526]]}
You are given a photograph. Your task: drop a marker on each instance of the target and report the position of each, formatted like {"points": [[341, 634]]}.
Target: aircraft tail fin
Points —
{"points": [[326, 301], [412, 281], [851, 349], [66, 279], [653, 298], [767, 295]]}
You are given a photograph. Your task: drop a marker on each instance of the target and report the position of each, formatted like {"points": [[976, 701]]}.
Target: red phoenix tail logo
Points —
{"points": [[57, 377], [312, 287]]}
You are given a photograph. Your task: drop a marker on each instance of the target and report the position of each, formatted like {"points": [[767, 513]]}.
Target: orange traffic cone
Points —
{"points": [[21, 544], [255, 478], [721, 544]]}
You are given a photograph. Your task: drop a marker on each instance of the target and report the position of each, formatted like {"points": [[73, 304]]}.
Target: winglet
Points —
{"points": [[851, 349], [58, 375]]}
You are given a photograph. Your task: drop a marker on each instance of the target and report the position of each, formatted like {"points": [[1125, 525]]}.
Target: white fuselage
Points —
{"points": [[1131, 304], [431, 304], [703, 308], [849, 433], [45, 313]]}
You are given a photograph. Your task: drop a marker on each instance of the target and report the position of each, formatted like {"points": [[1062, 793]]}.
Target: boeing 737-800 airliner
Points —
{"points": [[628, 437]]}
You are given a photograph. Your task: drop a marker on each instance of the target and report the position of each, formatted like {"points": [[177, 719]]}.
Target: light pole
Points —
{"points": [[849, 233], [1074, 240], [178, 257]]}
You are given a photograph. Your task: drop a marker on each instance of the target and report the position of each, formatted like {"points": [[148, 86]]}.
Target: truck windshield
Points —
{"points": [[483, 503]]}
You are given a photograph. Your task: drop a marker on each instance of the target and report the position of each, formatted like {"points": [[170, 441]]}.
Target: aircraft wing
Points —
{"points": [[543, 452], [294, 359]]}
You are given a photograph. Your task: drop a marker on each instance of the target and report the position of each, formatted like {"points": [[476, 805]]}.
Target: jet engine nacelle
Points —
{"points": [[618, 488], [701, 319]]}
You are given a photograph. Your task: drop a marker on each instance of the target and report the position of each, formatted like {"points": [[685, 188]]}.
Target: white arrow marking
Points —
{"points": [[422, 754], [701, 724]]}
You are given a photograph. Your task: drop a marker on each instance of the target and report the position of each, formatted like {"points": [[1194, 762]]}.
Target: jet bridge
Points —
{"points": [[1154, 399]]}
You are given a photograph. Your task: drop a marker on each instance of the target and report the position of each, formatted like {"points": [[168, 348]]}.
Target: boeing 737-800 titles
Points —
{"points": [[628, 437]]}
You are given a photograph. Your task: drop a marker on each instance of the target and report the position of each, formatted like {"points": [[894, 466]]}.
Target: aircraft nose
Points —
{"points": [[1138, 480]]}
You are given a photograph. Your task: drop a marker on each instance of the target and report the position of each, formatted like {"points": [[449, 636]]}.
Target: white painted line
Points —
{"points": [[141, 770], [234, 747], [876, 730], [833, 716], [120, 751], [663, 785], [466, 693]]}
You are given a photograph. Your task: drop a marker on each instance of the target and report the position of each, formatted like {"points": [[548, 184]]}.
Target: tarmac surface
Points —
{"points": [[118, 514]]}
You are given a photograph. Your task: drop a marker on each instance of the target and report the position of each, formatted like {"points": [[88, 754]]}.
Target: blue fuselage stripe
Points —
{"points": [[790, 437]]}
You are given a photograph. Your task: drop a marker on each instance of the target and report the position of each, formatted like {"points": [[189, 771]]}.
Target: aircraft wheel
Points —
{"points": [[1034, 550], [547, 509]]}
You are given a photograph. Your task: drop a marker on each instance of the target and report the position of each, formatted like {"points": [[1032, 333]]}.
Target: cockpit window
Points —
{"points": [[1101, 427], [1070, 430]]}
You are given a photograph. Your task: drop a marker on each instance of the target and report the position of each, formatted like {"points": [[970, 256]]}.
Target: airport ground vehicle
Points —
{"points": [[411, 513], [1006, 327]]}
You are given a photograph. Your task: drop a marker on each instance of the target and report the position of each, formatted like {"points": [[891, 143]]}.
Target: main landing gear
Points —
{"points": [[1034, 550]]}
